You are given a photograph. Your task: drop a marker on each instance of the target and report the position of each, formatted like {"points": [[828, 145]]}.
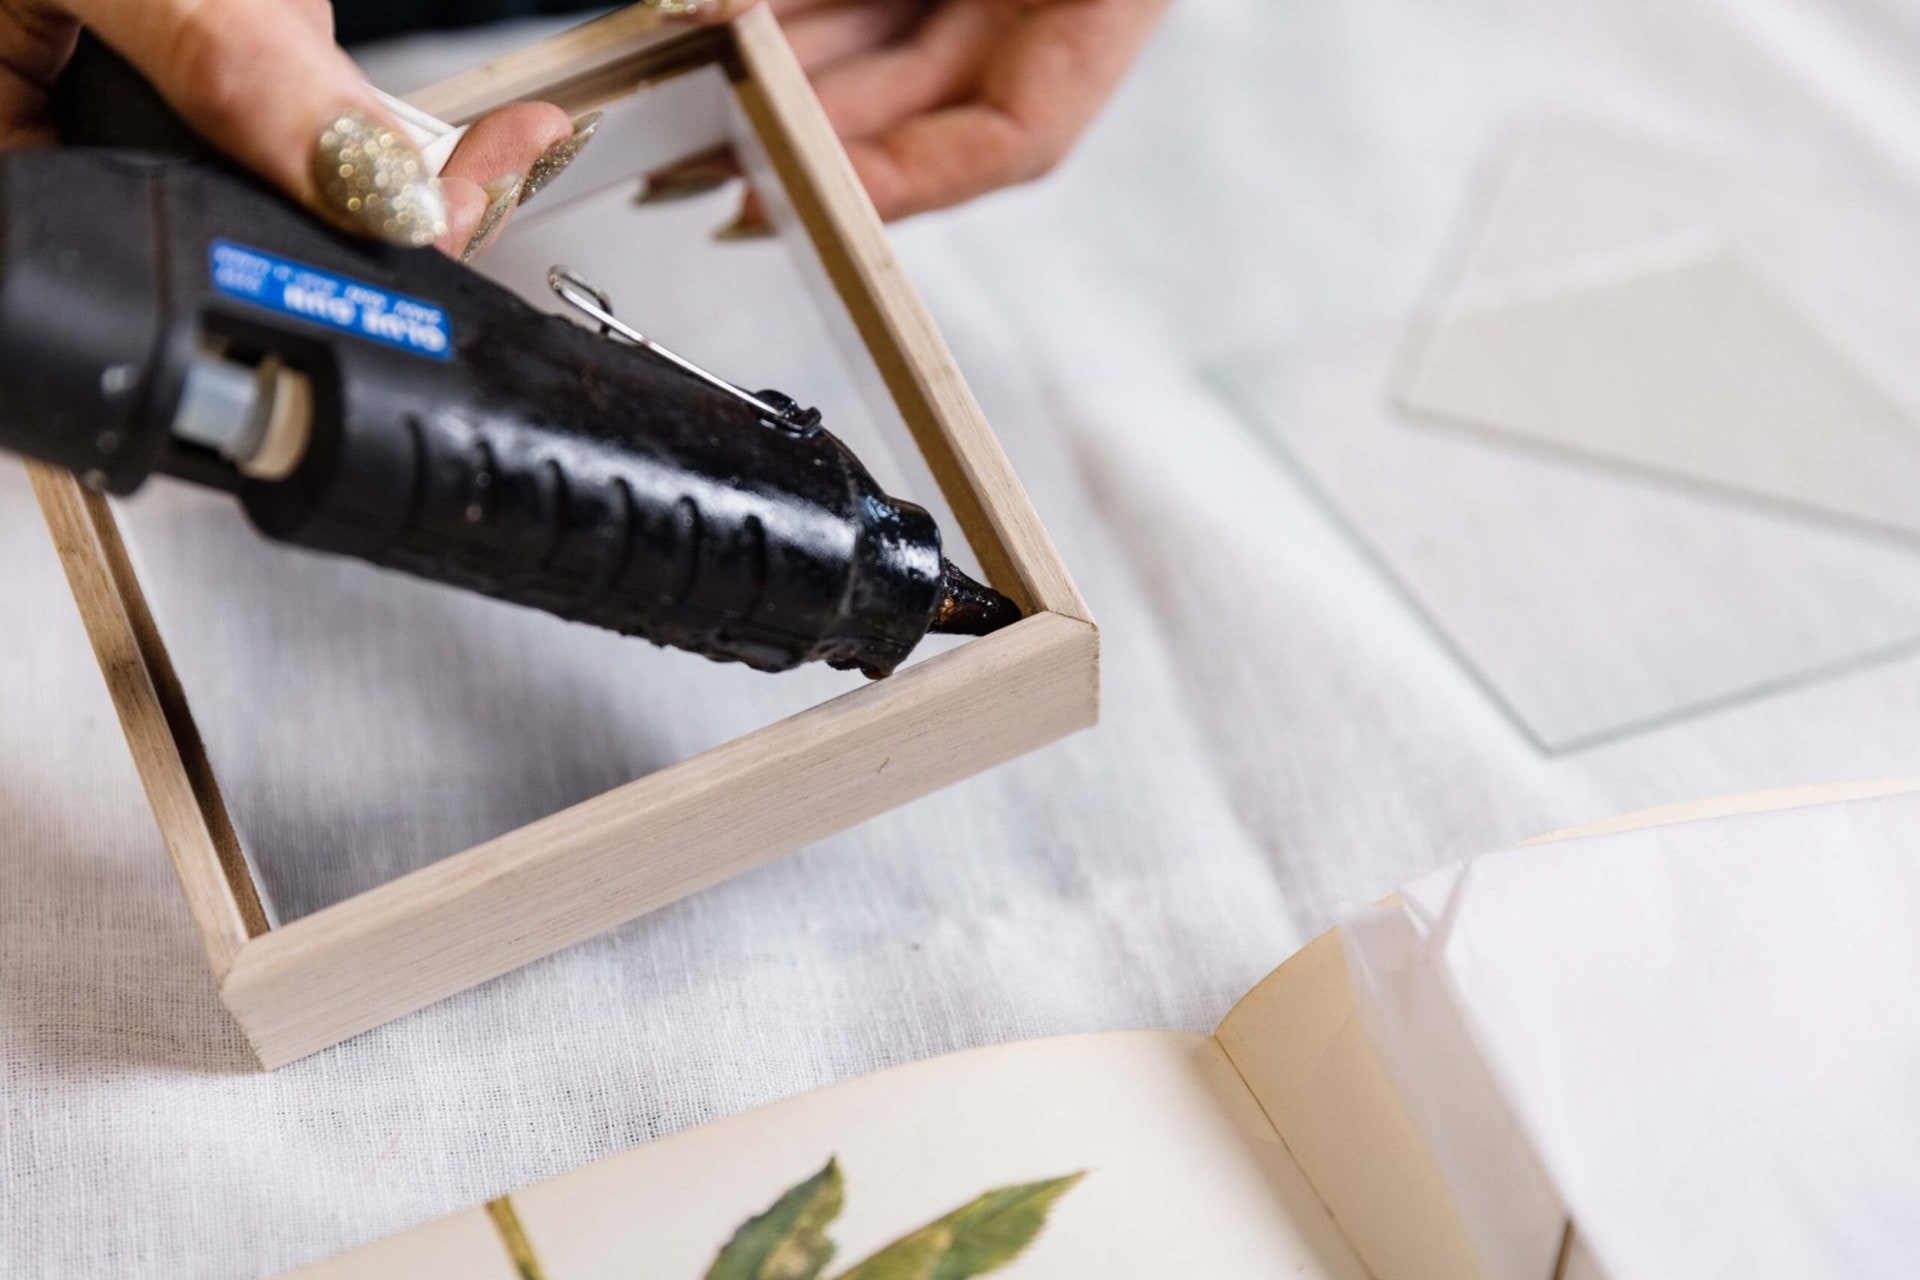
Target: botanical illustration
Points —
{"points": [[790, 1242]]}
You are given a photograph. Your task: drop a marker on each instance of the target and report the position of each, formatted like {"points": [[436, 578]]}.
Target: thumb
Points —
{"points": [[264, 82]]}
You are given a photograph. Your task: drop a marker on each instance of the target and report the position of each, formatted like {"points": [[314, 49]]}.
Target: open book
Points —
{"points": [[1275, 1147], [1278, 1146]]}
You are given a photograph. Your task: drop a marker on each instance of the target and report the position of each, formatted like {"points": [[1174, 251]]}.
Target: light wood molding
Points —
{"points": [[637, 848], [153, 713], [628, 46], [967, 461], [311, 983]]}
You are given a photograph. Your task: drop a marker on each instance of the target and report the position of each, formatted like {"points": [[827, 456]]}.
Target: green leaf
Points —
{"points": [[995, 1229], [980, 1236], [788, 1241], [914, 1257]]}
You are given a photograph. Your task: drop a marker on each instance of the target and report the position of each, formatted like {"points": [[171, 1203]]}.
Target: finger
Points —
{"points": [[939, 65], [317, 14], [1038, 87], [467, 204], [487, 173], [33, 47], [261, 82], [828, 35], [866, 95], [1064, 62], [19, 133], [508, 140], [35, 44], [945, 157]]}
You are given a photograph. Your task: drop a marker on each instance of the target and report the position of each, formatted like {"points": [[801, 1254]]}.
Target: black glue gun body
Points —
{"points": [[171, 316]]}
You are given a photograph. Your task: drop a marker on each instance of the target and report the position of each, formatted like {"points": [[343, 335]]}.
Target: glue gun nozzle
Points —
{"points": [[969, 608]]}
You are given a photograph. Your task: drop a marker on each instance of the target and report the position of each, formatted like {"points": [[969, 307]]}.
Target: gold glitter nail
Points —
{"points": [[683, 8], [371, 180], [503, 194], [554, 160]]}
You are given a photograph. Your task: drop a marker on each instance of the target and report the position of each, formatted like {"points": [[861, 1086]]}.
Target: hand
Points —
{"points": [[939, 101], [264, 81]]}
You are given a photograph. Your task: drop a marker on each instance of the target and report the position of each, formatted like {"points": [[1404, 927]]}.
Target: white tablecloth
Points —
{"points": [[1282, 737]]}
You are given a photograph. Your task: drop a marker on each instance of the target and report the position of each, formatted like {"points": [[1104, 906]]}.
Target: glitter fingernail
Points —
{"points": [[554, 160], [503, 195], [370, 180]]}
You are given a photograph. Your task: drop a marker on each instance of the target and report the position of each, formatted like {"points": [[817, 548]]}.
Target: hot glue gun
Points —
{"points": [[169, 315]]}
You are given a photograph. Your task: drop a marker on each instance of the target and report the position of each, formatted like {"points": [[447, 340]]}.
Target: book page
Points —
{"points": [[1129, 1153], [1297, 1041], [1730, 974]]}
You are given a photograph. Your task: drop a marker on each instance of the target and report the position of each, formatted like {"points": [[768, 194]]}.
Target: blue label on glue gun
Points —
{"points": [[351, 306]]}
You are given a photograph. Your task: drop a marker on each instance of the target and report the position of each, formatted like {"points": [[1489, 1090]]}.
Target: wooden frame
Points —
{"points": [[309, 984]]}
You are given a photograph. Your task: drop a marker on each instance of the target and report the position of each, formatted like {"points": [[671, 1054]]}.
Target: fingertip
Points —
{"points": [[503, 197], [542, 122], [466, 205], [508, 140], [891, 193]]}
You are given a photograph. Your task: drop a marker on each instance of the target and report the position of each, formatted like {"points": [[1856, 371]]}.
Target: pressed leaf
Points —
{"points": [[788, 1241], [980, 1236], [915, 1257], [994, 1230]]}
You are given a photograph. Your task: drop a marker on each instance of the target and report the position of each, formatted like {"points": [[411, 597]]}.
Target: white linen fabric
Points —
{"points": [[1282, 737]]}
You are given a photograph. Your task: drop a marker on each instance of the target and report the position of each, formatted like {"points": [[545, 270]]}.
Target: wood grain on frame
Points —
{"points": [[458, 922], [478, 914], [579, 68], [154, 716], [967, 461], [589, 65]]}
